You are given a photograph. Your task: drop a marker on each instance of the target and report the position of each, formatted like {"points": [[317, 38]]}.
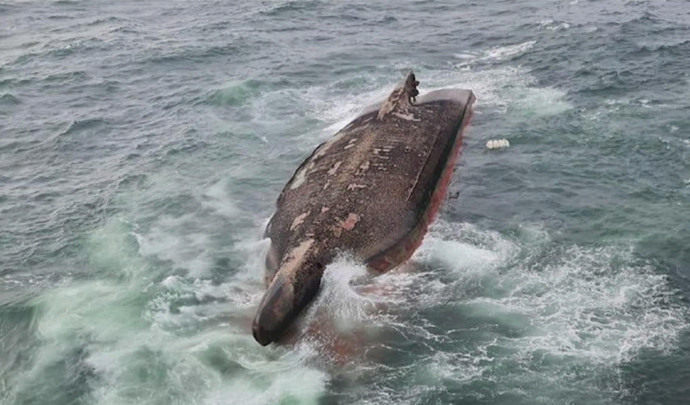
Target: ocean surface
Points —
{"points": [[143, 146]]}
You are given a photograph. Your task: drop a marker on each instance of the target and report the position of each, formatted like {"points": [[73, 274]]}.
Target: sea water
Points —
{"points": [[143, 146]]}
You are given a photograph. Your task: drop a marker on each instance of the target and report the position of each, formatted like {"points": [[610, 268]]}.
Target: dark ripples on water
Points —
{"points": [[142, 147]]}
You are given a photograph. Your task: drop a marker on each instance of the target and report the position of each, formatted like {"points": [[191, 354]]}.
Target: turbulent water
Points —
{"points": [[143, 145]]}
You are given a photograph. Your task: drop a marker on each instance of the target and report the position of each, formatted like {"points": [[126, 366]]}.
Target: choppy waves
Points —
{"points": [[144, 147], [473, 316]]}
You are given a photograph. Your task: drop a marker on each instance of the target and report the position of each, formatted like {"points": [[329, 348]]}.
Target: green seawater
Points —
{"points": [[143, 146]]}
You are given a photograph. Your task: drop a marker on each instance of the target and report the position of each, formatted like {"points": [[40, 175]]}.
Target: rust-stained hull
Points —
{"points": [[370, 191]]}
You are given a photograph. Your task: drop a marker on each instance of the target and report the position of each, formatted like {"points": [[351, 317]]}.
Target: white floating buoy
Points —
{"points": [[497, 144]]}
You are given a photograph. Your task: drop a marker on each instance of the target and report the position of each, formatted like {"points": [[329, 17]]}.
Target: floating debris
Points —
{"points": [[498, 144]]}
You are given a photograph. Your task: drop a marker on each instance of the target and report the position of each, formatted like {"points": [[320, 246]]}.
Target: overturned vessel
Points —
{"points": [[370, 191]]}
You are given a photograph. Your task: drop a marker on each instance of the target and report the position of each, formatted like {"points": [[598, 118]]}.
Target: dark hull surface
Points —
{"points": [[370, 191]]}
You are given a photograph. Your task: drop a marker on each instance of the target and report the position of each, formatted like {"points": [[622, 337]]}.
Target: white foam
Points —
{"points": [[173, 339], [491, 247], [253, 250], [502, 52], [217, 197], [112, 250], [338, 109], [539, 102], [507, 305], [582, 308], [517, 306], [291, 384], [338, 299], [508, 89], [186, 250], [497, 53], [552, 25], [505, 89]]}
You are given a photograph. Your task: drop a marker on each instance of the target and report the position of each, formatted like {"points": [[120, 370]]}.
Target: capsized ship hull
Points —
{"points": [[371, 191]]}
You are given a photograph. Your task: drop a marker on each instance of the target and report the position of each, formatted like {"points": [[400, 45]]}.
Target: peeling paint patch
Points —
{"points": [[298, 180], [334, 168], [350, 144], [350, 222], [295, 258], [301, 176], [298, 221]]}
